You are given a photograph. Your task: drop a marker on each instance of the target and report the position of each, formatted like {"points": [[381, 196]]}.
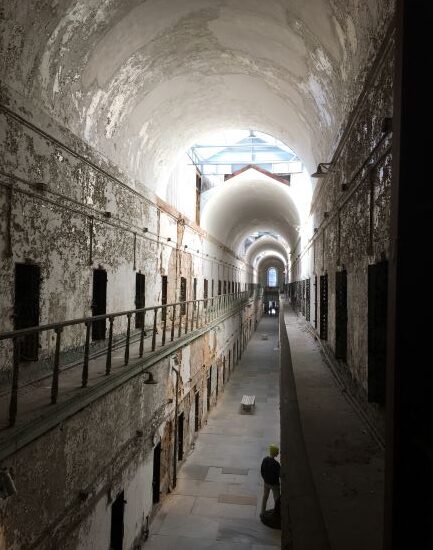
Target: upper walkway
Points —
{"points": [[216, 503], [30, 406], [335, 465]]}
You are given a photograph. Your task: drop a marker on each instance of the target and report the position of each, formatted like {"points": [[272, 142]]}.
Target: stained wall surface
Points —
{"points": [[99, 101]]}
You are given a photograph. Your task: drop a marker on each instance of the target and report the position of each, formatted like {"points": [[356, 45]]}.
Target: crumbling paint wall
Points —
{"points": [[70, 211], [351, 214], [68, 478]]}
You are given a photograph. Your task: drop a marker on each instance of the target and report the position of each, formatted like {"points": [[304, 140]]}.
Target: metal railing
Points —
{"points": [[172, 320]]}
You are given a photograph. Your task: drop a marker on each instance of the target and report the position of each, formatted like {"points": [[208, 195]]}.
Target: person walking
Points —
{"points": [[270, 471]]}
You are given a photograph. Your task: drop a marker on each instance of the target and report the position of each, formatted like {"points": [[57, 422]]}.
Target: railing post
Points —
{"points": [[164, 324], [13, 405], [56, 370], [142, 335], [179, 331], [186, 317], [110, 346], [85, 374], [128, 337], [172, 323], [155, 313], [194, 305]]}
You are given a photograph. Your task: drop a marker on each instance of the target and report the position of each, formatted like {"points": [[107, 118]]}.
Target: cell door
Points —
{"points": [[180, 427], [99, 303], [341, 315], [164, 289], [140, 300], [182, 295], [217, 380], [315, 301], [308, 299], [377, 330], [26, 307], [117, 522], [197, 411], [209, 388], [156, 478], [324, 307]]}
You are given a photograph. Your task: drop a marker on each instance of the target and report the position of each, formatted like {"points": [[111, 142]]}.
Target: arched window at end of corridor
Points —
{"points": [[272, 277]]}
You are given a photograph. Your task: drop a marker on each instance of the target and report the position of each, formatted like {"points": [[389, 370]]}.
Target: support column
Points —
{"points": [[409, 463]]}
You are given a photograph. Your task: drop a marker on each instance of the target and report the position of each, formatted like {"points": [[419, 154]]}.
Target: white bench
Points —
{"points": [[248, 402]]}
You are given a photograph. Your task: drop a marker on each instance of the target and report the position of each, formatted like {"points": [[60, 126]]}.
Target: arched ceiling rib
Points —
{"points": [[272, 259], [249, 202], [265, 244], [141, 81]]}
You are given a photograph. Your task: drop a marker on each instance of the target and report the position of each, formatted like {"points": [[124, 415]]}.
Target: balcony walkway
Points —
{"points": [[36, 414], [336, 478], [216, 503]]}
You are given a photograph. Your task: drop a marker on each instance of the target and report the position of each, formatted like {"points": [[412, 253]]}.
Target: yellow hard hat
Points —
{"points": [[273, 449]]}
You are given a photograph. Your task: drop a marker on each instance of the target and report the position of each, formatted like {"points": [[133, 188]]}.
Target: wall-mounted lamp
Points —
{"points": [[145, 230], [344, 186], [151, 379], [168, 239], [326, 214], [323, 169], [185, 246], [107, 214]]}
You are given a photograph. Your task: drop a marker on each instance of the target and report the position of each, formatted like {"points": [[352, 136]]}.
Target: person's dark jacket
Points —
{"points": [[270, 471]]}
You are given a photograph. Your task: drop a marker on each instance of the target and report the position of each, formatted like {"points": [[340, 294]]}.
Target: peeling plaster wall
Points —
{"points": [[354, 232], [140, 81], [68, 478], [62, 227]]}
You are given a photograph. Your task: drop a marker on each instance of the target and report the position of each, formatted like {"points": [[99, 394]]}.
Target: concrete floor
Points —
{"points": [[216, 503], [217, 499]]}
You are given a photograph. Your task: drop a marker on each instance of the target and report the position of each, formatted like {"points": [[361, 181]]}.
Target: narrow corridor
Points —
{"points": [[216, 503], [336, 481]]}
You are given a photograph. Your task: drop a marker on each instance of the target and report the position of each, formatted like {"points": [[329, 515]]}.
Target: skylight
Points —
{"points": [[227, 152]]}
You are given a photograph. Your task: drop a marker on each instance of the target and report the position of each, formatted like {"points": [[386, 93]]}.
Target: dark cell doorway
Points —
{"points": [[182, 295], [26, 307], [140, 300], [164, 289], [156, 479], [99, 303], [180, 422], [209, 388], [117, 522], [341, 315], [315, 301], [377, 330], [217, 380], [324, 307], [197, 411]]}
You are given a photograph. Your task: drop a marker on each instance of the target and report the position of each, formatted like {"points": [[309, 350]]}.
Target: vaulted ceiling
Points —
{"points": [[142, 80]]}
